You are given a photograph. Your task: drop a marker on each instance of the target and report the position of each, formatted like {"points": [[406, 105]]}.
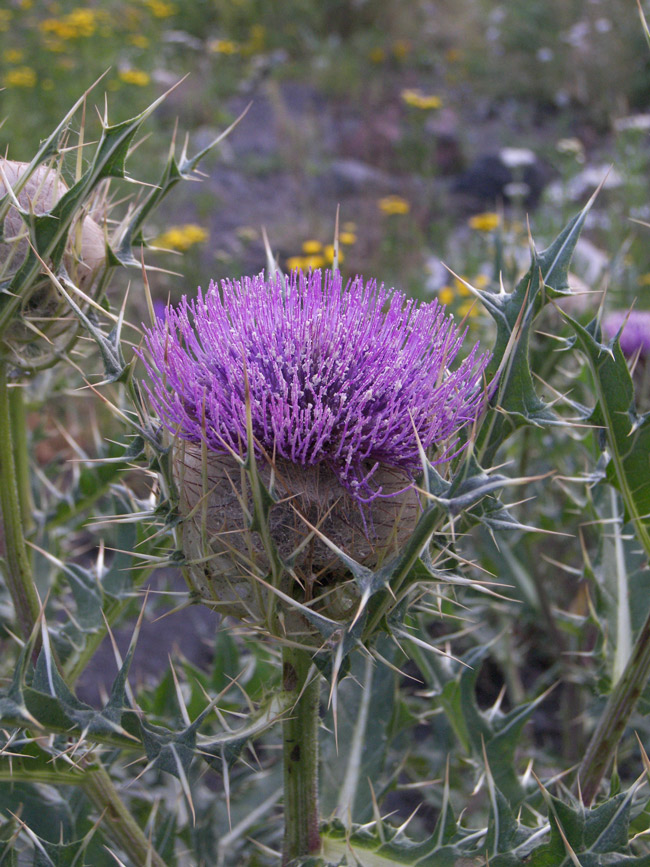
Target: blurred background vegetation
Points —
{"points": [[376, 105]]}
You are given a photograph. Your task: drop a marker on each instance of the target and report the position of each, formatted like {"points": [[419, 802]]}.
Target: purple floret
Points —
{"points": [[636, 333], [343, 376]]}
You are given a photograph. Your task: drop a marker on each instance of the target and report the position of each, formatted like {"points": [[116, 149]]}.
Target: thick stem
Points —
{"points": [[19, 577], [618, 710], [121, 825], [300, 749]]}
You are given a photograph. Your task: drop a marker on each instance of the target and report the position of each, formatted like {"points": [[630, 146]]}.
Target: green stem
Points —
{"points": [[613, 722], [121, 825], [300, 750], [21, 456], [20, 582]]}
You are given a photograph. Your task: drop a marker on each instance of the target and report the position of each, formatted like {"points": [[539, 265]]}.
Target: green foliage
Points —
{"points": [[624, 432], [438, 693]]}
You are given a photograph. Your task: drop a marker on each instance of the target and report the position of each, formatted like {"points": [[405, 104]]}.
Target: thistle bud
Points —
{"points": [[84, 256], [225, 554]]}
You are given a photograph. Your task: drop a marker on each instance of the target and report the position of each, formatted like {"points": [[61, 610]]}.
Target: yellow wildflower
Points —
{"points": [[481, 281], [348, 238], [446, 295], [138, 39], [329, 254], [13, 55], [644, 280], [76, 24], [420, 100], [461, 288], [135, 76], [485, 222], [21, 76], [394, 205], [160, 9], [304, 263], [83, 21], [311, 247], [181, 237], [223, 46], [54, 27], [312, 262], [377, 55], [349, 226]]}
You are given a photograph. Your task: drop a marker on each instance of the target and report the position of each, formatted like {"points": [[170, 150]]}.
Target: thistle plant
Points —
{"points": [[300, 412]]}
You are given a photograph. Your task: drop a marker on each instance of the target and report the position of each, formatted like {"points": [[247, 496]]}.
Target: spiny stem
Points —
{"points": [[300, 751], [613, 722], [19, 577]]}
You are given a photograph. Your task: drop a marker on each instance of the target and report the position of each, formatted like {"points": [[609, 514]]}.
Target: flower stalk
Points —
{"points": [[20, 582], [122, 826], [300, 753], [620, 705]]}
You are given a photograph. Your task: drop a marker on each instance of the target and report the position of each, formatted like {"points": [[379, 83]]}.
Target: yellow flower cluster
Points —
{"points": [[135, 76], [138, 39], [181, 237], [75, 25], [417, 99], [394, 205], [21, 76], [486, 222], [315, 255], [160, 9], [223, 46], [459, 291]]}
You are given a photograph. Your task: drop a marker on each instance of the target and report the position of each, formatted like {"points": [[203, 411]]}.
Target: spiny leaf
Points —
{"points": [[625, 433], [365, 706], [514, 314], [173, 172]]}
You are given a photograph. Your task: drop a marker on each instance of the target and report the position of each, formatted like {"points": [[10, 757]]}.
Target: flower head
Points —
{"points": [[353, 377], [485, 222], [393, 205], [636, 330]]}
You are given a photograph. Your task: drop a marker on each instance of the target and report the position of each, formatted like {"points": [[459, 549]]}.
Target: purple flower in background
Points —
{"points": [[343, 376], [636, 333]]}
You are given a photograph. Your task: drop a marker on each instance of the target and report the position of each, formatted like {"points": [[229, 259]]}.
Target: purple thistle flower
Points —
{"points": [[636, 331], [338, 376]]}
